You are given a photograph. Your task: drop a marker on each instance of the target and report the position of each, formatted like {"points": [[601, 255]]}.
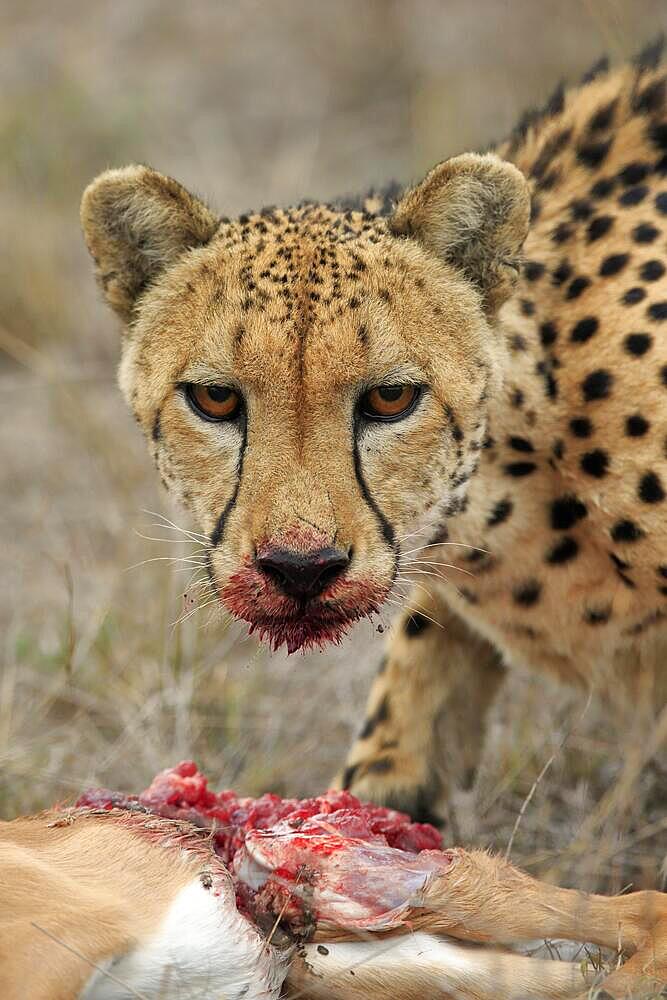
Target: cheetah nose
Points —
{"points": [[303, 575]]}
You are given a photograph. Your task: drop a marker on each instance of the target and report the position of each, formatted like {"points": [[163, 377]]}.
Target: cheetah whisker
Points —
{"points": [[188, 614], [426, 562], [194, 535], [422, 572], [425, 572], [432, 545], [168, 541], [403, 606], [417, 531], [170, 559]]}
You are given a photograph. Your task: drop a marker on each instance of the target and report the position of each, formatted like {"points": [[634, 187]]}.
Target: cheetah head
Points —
{"points": [[313, 382]]}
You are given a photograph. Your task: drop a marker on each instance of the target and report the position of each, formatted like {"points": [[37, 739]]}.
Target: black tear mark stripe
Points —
{"points": [[219, 530], [156, 432], [387, 530]]}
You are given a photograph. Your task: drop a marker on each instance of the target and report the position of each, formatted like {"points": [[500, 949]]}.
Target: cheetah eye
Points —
{"points": [[390, 402], [213, 402]]}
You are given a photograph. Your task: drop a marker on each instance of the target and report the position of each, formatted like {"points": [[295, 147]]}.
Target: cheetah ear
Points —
{"points": [[473, 211], [136, 222]]}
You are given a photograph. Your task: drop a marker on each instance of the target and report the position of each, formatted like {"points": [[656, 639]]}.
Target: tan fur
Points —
{"points": [[101, 883], [473, 211], [77, 876], [538, 451]]}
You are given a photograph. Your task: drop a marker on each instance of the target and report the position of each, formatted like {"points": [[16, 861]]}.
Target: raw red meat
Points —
{"points": [[330, 859]]}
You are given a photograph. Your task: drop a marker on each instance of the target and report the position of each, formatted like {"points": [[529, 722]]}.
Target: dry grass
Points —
{"points": [[249, 103]]}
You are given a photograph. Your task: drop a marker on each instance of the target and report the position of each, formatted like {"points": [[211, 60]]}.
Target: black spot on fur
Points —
{"points": [[527, 594], [550, 149], [597, 385], [597, 69], [636, 425], [603, 188], [633, 196], [580, 209], [367, 728], [592, 154], [545, 369], [581, 427], [381, 714], [349, 775], [576, 287], [598, 227], [633, 296], [550, 180], [533, 270], [652, 270], [563, 551], [603, 117], [520, 444], [597, 616], [555, 102], [500, 513], [657, 310], [584, 329], [566, 511], [415, 624], [625, 531], [520, 469], [613, 264], [562, 273], [651, 489], [548, 334], [649, 58], [561, 233], [157, 431], [645, 232], [637, 343], [657, 133], [634, 173], [661, 202], [595, 463]]}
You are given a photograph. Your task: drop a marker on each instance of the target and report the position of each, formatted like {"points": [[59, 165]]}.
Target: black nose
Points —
{"points": [[303, 575]]}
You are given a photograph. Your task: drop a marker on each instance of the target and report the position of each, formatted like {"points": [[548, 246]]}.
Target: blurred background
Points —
{"points": [[247, 103]]}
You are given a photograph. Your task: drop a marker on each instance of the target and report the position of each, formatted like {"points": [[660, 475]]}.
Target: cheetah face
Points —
{"points": [[314, 383]]}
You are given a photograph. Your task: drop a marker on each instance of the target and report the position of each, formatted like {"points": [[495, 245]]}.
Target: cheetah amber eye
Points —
{"points": [[389, 402], [213, 402]]}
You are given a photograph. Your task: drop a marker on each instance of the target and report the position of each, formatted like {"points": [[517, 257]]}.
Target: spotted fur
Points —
{"points": [[538, 448]]}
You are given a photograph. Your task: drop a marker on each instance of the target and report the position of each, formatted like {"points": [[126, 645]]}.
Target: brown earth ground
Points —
{"points": [[248, 103]]}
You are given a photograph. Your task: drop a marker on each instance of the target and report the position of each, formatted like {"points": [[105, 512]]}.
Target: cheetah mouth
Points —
{"points": [[279, 620]]}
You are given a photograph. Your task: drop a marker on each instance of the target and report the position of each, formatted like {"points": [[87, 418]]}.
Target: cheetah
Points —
{"points": [[460, 387]]}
